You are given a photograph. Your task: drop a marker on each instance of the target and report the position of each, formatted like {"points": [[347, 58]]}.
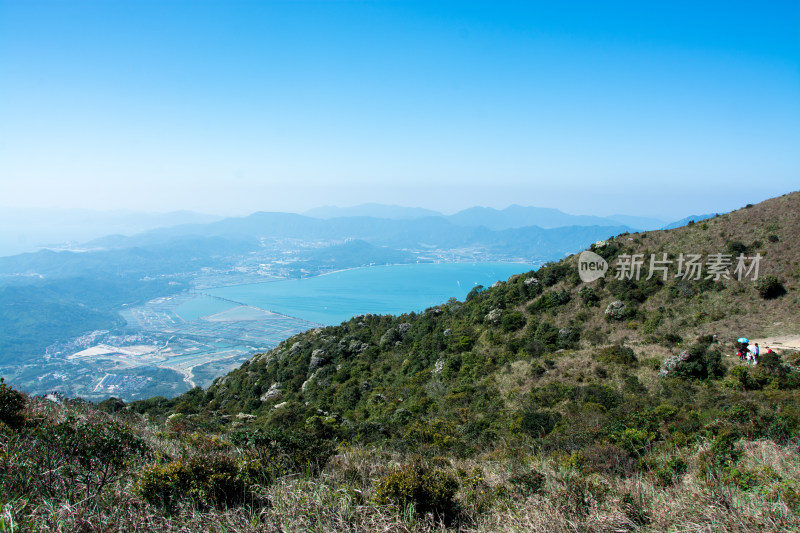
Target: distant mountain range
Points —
{"points": [[513, 216], [372, 210], [534, 242], [28, 230]]}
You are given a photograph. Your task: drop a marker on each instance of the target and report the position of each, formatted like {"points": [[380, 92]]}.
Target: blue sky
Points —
{"points": [[228, 107]]}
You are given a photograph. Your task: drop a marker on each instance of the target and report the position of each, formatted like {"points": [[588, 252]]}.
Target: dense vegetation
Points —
{"points": [[539, 404]]}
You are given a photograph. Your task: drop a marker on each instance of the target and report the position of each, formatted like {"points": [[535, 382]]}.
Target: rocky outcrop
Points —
{"points": [[318, 359], [273, 393], [670, 363], [494, 316], [616, 310]]}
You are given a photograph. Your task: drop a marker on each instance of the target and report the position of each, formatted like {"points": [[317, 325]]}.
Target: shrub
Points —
{"points": [[11, 405], [552, 273], [512, 321], [428, 490], [770, 287], [736, 248], [723, 448], [88, 456], [549, 300], [528, 483], [603, 395], [618, 310], [295, 450], [670, 472], [608, 459], [437, 436], [200, 480], [618, 354], [633, 440], [589, 295], [698, 362], [538, 423], [465, 343], [541, 338]]}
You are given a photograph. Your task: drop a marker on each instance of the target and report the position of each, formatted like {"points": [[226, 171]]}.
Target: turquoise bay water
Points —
{"points": [[395, 289]]}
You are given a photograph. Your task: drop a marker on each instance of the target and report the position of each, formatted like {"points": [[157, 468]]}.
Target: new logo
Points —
{"points": [[591, 266]]}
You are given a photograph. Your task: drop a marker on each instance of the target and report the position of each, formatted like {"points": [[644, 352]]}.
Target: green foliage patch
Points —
{"points": [[428, 490]]}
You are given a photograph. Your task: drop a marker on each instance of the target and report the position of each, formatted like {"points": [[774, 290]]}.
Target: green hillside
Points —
{"points": [[543, 403]]}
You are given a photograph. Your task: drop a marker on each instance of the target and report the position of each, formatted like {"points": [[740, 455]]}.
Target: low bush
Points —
{"points": [[538, 423], [512, 321], [621, 355], [770, 287], [528, 483], [670, 472], [201, 481], [12, 403], [429, 490]]}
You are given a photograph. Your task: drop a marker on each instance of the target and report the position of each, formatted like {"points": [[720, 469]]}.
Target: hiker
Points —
{"points": [[752, 354]]}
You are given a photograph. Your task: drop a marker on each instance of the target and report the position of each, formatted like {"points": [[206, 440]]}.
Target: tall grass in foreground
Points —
{"points": [[55, 479]]}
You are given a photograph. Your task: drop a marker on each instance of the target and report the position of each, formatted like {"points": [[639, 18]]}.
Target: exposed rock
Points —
{"points": [[494, 316], [447, 332], [357, 346], [671, 362], [318, 358], [279, 405], [55, 397], [438, 367], [296, 347], [615, 310], [273, 393], [497, 284], [404, 328], [244, 417], [531, 281]]}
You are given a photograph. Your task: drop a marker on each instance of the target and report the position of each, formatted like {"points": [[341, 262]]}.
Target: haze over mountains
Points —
{"points": [[28, 230]]}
